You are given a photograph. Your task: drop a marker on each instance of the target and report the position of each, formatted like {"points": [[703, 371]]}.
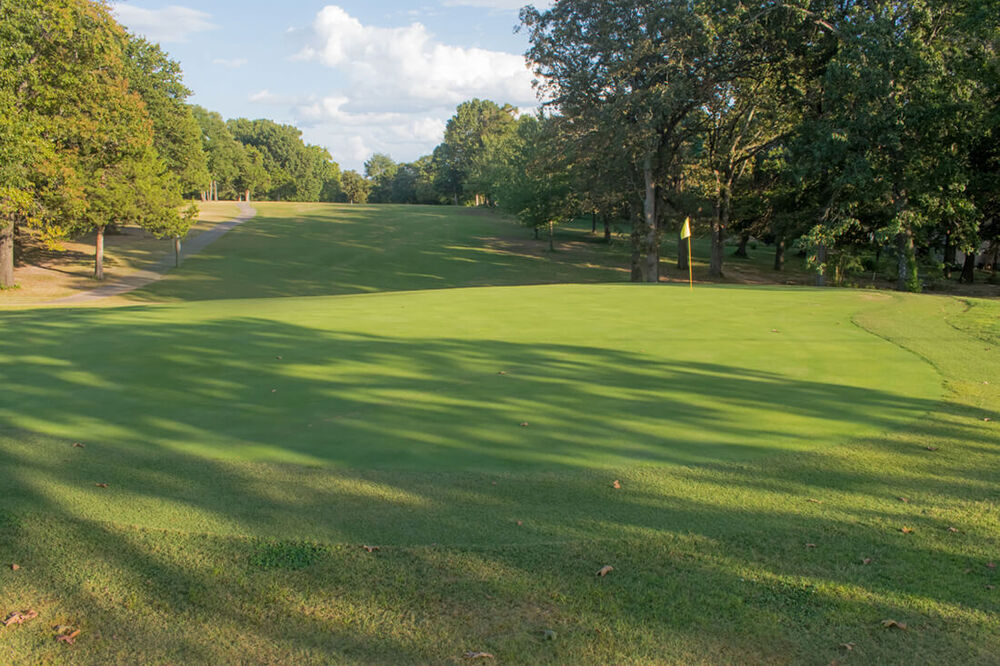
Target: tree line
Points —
{"points": [[857, 131], [96, 133], [862, 134]]}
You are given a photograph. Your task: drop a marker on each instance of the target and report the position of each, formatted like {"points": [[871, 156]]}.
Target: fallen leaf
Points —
{"points": [[101, 485], [278, 357], [774, 330], [893, 624], [371, 549], [907, 530], [69, 638], [524, 424], [478, 655], [605, 570], [20, 617], [519, 523], [904, 500], [987, 419], [932, 448], [847, 646], [502, 372], [78, 445], [617, 484], [14, 567], [274, 390], [810, 545], [814, 501], [867, 560], [952, 529]]}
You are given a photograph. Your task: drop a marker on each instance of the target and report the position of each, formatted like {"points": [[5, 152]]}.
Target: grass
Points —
{"points": [[762, 437]]}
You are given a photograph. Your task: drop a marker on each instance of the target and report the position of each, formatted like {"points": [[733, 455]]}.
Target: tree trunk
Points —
{"points": [[652, 271], [969, 269], [607, 229], [635, 259], [99, 255], [821, 269], [905, 262], [248, 196], [455, 195], [949, 254], [535, 229], [723, 205], [779, 254], [7, 254], [177, 252], [552, 246], [593, 222], [741, 251]]}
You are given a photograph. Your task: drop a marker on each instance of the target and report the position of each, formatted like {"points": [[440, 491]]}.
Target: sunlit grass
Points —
{"points": [[764, 441]]}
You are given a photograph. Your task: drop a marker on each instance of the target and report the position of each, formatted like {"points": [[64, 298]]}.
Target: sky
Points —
{"points": [[357, 77]]}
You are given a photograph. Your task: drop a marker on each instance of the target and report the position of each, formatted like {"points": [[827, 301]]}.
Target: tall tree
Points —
{"points": [[176, 133], [355, 187], [380, 170], [465, 136]]}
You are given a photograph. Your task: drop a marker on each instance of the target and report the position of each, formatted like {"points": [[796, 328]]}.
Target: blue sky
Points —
{"points": [[357, 77]]}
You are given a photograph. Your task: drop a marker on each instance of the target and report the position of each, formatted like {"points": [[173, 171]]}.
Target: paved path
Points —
{"points": [[157, 271]]}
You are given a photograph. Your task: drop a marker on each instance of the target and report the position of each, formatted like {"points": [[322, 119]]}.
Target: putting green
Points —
{"points": [[602, 376]]}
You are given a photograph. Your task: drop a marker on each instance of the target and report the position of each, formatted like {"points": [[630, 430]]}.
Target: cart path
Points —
{"points": [[158, 270]]}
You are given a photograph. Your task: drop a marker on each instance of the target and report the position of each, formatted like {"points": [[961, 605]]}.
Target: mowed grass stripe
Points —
{"points": [[413, 382], [711, 561], [294, 249]]}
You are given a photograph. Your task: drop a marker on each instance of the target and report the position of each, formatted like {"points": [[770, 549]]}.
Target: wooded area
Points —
{"points": [[862, 134]]}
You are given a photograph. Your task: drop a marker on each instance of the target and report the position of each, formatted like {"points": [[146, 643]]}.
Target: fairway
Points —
{"points": [[238, 453]]}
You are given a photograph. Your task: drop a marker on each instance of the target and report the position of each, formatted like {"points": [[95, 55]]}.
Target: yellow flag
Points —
{"points": [[686, 231]]}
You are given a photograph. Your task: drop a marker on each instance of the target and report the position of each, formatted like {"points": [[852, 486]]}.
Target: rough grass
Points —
{"points": [[758, 471], [46, 274]]}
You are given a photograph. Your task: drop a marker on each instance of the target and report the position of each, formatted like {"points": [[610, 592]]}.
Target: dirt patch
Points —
{"points": [[46, 273]]}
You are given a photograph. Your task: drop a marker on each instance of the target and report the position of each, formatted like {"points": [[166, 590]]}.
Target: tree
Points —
{"points": [[93, 130], [529, 175], [355, 187], [465, 136], [176, 132], [632, 71], [380, 170], [225, 156]]}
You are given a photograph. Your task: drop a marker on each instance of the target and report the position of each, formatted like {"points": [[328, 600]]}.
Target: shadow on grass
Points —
{"points": [[263, 560]]}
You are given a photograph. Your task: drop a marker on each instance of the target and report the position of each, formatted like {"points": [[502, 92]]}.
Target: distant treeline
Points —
{"points": [[95, 132]]}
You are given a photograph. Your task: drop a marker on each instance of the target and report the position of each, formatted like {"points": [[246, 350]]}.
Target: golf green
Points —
{"points": [[487, 379]]}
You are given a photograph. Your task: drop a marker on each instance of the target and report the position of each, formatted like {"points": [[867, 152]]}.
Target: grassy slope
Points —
{"points": [[190, 557], [320, 249]]}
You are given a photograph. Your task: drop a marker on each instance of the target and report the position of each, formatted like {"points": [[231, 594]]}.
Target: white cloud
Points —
{"points": [[171, 24], [265, 96], [231, 63], [498, 4], [406, 65], [402, 84]]}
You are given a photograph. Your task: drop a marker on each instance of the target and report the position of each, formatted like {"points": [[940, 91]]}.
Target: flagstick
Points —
{"points": [[690, 266]]}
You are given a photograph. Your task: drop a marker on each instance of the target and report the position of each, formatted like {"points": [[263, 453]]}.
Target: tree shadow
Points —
{"points": [[242, 486]]}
